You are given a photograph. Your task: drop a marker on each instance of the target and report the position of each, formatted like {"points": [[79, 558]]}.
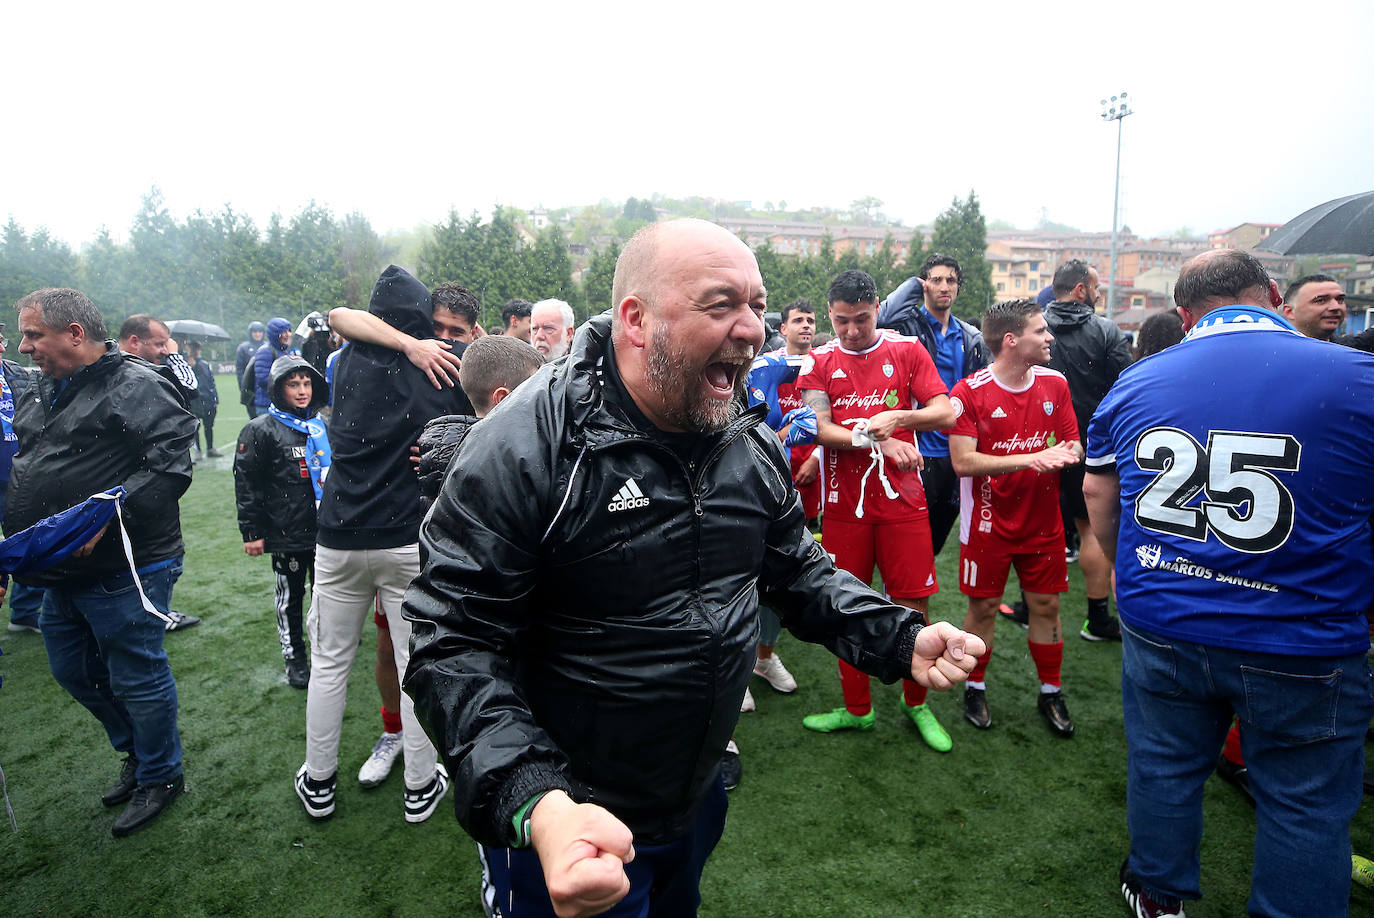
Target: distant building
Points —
{"points": [[1020, 268], [805, 239], [1159, 280], [1244, 236], [1143, 266]]}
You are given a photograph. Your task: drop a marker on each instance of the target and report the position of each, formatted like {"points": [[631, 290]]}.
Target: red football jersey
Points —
{"points": [[895, 373], [1020, 510]]}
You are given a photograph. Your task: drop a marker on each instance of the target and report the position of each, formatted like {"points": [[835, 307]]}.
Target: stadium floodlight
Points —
{"points": [[1119, 109]]}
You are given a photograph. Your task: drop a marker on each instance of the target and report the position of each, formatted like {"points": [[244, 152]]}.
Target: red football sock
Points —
{"points": [[854, 685], [391, 720], [1049, 660], [1231, 751], [980, 669], [914, 695]]}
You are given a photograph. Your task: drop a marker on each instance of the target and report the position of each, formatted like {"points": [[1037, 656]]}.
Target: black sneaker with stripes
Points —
{"points": [[317, 796], [421, 803]]}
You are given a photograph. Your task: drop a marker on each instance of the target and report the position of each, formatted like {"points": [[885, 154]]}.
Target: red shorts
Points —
{"points": [[901, 551], [983, 571]]}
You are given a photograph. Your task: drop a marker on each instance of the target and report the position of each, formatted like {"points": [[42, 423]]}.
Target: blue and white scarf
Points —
{"points": [[6, 410], [317, 452], [1239, 318]]}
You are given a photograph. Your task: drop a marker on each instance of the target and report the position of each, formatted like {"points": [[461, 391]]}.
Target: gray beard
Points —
{"points": [[683, 405]]}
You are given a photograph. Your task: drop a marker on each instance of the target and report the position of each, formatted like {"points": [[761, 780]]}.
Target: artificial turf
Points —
{"points": [[1012, 822]]}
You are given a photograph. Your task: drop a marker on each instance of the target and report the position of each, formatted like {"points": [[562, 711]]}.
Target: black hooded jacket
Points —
{"points": [[1091, 351], [276, 501], [118, 421], [586, 617], [381, 403]]}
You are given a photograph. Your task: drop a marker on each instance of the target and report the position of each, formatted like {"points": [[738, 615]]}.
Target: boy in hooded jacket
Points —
{"points": [[282, 460]]}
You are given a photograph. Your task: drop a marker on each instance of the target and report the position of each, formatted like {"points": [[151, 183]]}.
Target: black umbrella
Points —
{"points": [[194, 328], [1344, 226]]}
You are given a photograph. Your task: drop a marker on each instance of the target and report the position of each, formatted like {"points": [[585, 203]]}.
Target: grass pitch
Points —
{"points": [[1012, 822]]}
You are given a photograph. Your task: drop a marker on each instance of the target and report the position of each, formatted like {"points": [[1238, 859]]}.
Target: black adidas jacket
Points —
{"points": [[566, 637]]}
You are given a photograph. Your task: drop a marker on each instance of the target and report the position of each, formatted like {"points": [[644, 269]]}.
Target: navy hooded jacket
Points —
{"points": [[266, 356]]}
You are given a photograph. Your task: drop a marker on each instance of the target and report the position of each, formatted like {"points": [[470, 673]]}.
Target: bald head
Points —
{"points": [[1222, 277], [646, 262], [687, 321]]}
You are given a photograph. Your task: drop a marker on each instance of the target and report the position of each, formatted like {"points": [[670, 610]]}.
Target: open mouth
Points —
{"points": [[721, 375]]}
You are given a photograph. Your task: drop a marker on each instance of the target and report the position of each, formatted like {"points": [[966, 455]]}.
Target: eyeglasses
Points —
{"points": [[550, 330]]}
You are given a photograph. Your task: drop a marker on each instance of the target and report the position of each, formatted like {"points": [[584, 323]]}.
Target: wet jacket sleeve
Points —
{"points": [[250, 494], [438, 442], [1118, 352], [901, 311], [470, 606], [262, 374], [822, 604], [159, 421], [1362, 341]]}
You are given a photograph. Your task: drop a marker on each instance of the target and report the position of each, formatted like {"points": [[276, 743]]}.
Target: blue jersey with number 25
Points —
{"points": [[1246, 460]]}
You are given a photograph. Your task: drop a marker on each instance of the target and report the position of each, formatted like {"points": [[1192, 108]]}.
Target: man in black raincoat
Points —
{"points": [[585, 624], [97, 418]]}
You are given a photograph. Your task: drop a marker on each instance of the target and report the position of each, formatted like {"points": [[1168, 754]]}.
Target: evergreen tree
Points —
{"points": [[501, 268], [360, 259], [30, 262], [961, 232], [443, 254], [596, 282], [882, 264], [547, 267], [314, 243], [106, 272]]}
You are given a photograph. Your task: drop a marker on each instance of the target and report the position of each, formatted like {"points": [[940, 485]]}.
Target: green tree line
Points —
{"points": [[222, 268], [959, 231]]}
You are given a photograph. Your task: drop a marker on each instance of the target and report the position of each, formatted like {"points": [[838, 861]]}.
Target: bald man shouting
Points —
{"points": [[586, 622]]}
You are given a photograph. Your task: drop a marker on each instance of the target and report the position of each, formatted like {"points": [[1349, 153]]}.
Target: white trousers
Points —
{"points": [[346, 583]]}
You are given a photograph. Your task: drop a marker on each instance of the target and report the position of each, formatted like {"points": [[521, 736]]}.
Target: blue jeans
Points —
{"points": [[105, 649], [25, 604], [770, 627], [1303, 722], [665, 880]]}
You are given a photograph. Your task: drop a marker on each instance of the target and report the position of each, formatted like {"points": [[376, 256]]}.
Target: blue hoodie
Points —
{"points": [[267, 355]]}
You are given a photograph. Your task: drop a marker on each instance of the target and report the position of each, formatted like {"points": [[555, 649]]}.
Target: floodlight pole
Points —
{"points": [[1115, 113]]}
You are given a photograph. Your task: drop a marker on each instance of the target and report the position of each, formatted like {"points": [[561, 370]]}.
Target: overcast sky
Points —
{"points": [[403, 110]]}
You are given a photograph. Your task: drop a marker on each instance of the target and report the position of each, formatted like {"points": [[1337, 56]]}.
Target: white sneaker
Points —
{"points": [[378, 764], [775, 674], [747, 704]]}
